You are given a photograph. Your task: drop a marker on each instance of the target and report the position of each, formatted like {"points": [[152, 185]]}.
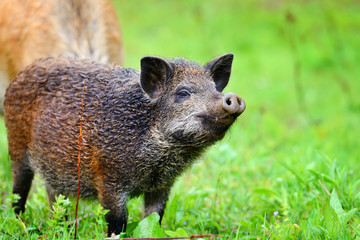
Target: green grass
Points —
{"points": [[296, 66]]}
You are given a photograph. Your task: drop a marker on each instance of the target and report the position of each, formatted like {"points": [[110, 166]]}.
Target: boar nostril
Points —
{"points": [[233, 104], [228, 102], [240, 101]]}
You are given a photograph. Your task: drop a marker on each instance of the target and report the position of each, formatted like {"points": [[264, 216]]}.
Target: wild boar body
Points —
{"points": [[136, 136]]}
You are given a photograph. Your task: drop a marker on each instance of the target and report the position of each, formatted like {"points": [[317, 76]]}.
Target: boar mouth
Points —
{"points": [[217, 124]]}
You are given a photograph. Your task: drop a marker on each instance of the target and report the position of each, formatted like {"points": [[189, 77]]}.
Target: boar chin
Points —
{"points": [[217, 125]]}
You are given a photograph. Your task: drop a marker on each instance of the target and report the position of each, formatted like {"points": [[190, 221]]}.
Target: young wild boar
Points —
{"points": [[140, 130], [32, 29]]}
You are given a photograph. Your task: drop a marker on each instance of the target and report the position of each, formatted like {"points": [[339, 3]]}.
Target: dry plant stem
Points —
{"points": [[22, 223], [318, 197], [327, 191], [323, 186], [79, 147]]}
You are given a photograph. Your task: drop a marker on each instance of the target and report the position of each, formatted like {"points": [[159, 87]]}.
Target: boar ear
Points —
{"points": [[154, 74], [220, 69]]}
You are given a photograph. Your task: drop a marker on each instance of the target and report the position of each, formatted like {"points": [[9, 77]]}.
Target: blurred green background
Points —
{"points": [[297, 143]]}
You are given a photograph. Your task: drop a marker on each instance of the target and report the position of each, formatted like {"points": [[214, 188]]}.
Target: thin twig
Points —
{"points": [[79, 155], [22, 223], [318, 197], [323, 186], [327, 191]]}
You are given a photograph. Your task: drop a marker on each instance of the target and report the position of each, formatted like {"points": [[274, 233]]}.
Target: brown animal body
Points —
{"points": [[140, 130], [32, 29]]}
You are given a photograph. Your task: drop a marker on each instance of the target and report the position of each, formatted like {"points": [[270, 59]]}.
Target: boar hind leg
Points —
{"points": [[51, 195], [156, 202], [22, 176], [117, 215]]}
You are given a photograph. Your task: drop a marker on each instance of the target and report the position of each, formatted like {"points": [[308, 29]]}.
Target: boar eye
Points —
{"points": [[182, 95]]}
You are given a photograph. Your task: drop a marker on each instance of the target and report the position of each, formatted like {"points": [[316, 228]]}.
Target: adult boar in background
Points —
{"points": [[32, 29]]}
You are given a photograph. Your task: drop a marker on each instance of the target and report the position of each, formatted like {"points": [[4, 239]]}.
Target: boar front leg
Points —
{"points": [[156, 202], [117, 215]]}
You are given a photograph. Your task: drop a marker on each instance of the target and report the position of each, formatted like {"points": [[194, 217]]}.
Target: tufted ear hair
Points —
{"points": [[220, 69], [154, 74]]}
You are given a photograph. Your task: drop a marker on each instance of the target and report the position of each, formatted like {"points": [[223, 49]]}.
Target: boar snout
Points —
{"points": [[233, 104]]}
